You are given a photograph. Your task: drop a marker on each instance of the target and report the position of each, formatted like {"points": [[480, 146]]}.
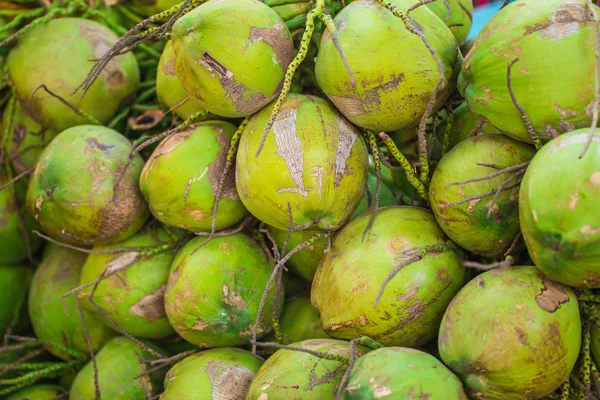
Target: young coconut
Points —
{"points": [[305, 261], [14, 284], [290, 374], [214, 291], [316, 163], [17, 242], [231, 55], [393, 92], [465, 124], [528, 357], [122, 374], [224, 374], [456, 14], [182, 176], [133, 298], [405, 251], [537, 34], [26, 138], [41, 57], [40, 392], [477, 205], [397, 373], [558, 204], [71, 192], [169, 91], [57, 274]]}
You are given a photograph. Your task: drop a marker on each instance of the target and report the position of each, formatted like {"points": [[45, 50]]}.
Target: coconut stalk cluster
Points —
{"points": [[290, 199]]}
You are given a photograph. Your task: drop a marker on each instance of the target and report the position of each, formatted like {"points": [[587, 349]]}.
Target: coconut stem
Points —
{"points": [[447, 129], [565, 389], [501, 188], [372, 140], [479, 196], [516, 167], [76, 110], [346, 378], [319, 354], [508, 261], [596, 20], [291, 70], [9, 126], [406, 166], [16, 178], [513, 245], [274, 273], [88, 341], [419, 4], [11, 366], [586, 357], [504, 4], [532, 133]]}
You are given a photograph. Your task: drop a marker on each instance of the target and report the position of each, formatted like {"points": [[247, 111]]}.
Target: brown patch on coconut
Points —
{"points": [[215, 169], [152, 306], [564, 22], [228, 382], [169, 68], [233, 299], [350, 106], [279, 42], [552, 296], [113, 74]]}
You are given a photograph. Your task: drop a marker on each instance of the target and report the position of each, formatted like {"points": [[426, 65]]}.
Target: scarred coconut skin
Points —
{"points": [[558, 206], [72, 188], [468, 224], [313, 159], [59, 54], [399, 373], [231, 55], [224, 374], [539, 34], [511, 333], [290, 374], [377, 73], [350, 276]]}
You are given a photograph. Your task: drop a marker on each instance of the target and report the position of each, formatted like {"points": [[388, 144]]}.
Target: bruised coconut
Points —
{"points": [[290, 374], [313, 159], [134, 298], [24, 139], [231, 55], [120, 364], [539, 34], [17, 241], [468, 224], [558, 205], [14, 283], [57, 274], [376, 375], [377, 73], [465, 124], [224, 374], [181, 178], [511, 333], [41, 57], [71, 192], [456, 14], [169, 91], [213, 293], [39, 392], [350, 275]]}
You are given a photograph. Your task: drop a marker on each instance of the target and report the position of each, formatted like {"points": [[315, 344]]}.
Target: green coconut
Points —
{"points": [[224, 373], [558, 206], [214, 292], [465, 124], [313, 160], [59, 54], [169, 91], [290, 374], [182, 176], [72, 188], [468, 224], [151, 7], [456, 14], [17, 240], [511, 333], [350, 275], [39, 392], [14, 284], [398, 373], [134, 298], [298, 322], [25, 139], [57, 274], [120, 364], [386, 197], [305, 261], [539, 34], [231, 55], [377, 73]]}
